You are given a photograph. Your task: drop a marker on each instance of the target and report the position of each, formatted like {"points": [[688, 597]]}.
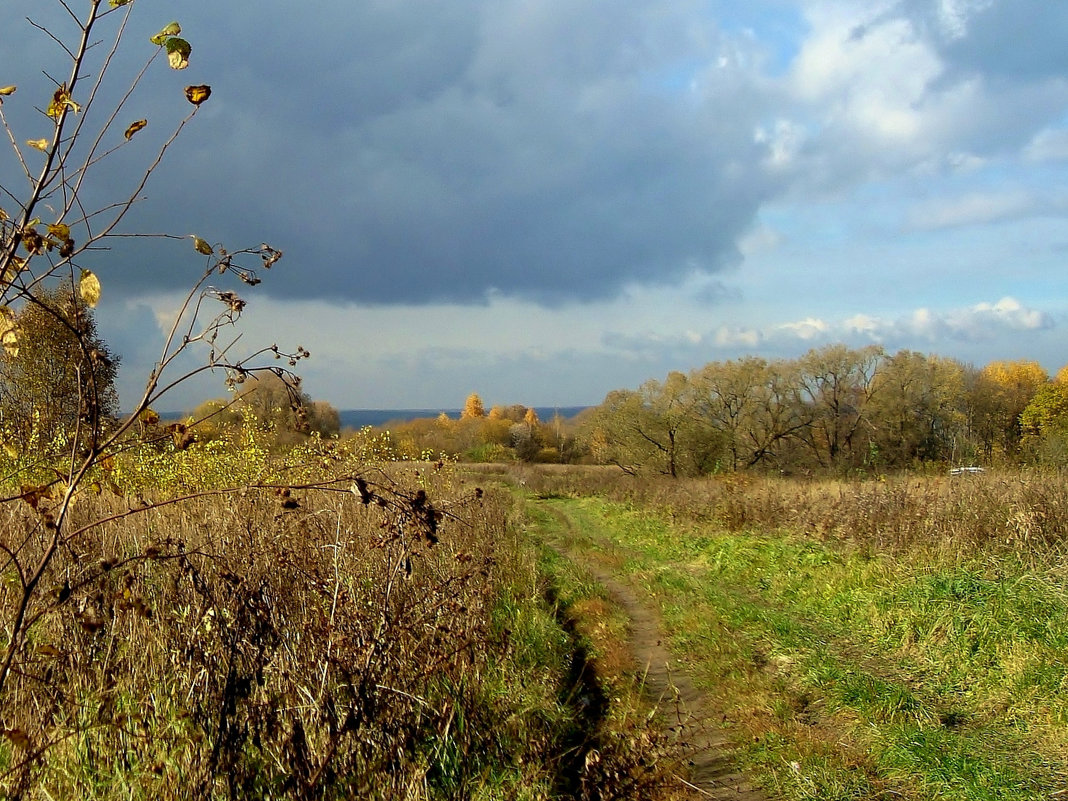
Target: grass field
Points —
{"points": [[420, 638], [893, 660]]}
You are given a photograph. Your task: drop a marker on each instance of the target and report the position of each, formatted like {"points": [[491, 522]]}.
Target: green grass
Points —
{"points": [[918, 674], [634, 754]]}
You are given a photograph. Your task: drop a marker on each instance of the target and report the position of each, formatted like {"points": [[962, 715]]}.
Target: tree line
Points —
{"points": [[499, 434], [834, 409]]}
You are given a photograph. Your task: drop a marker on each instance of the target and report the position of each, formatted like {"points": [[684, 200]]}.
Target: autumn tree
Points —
{"points": [[997, 396], [653, 428], [214, 417], [1044, 422], [750, 404], [834, 386], [324, 418], [57, 384], [917, 409], [496, 429], [473, 408], [273, 404], [614, 431], [270, 402]]}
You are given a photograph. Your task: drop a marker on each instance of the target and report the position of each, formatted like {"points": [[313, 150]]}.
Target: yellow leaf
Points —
{"points": [[134, 128], [14, 267], [39, 144], [8, 321], [59, 230], [61, 102], [89, 288], [10, 271], [117, 3], [178, 51], [197, 94], [5, 91], [168, 30], [11, 451], [202, 246]]}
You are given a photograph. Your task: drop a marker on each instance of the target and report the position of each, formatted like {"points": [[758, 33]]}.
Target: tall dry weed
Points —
{"points": [[297, 644], [1026, 511]]}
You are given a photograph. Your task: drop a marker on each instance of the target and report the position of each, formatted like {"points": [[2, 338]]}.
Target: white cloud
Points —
{"points": [[807, 329], [977, 208], [876, 90], [866, 73], [783, 141], [980, 322], [1007, 313], [1050, 144], [921, 323], [728, 337], [759, 239], [862, 324]]}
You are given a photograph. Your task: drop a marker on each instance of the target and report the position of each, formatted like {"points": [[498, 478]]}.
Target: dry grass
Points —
{"points": [[1025, 511], [303, 644]]}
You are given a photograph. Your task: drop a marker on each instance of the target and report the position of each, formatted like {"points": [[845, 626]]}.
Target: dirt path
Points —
{"points": [[681, 703]]}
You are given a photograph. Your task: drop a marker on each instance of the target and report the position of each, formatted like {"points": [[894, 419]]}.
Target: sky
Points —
{"points": [[544, 200]]}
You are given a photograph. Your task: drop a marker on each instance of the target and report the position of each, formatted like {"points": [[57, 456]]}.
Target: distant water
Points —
{"points": [[358, 418]]}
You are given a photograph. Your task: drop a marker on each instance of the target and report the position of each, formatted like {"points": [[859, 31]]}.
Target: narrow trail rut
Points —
{"points": [[680, 702]]}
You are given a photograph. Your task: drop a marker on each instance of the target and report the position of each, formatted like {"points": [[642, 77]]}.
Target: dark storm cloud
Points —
{"points": [[417, 151], [424, 153], [421, 151]]}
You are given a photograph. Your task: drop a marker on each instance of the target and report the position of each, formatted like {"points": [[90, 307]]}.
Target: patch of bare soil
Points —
{"points": [[684, 709]]}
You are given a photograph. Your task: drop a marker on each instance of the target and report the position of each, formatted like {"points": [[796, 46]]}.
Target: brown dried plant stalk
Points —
{"points": [[46, 235]]}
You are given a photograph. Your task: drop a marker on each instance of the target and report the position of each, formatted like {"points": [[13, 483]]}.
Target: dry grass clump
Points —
{"points": [[326, 644], [1026, 511]]}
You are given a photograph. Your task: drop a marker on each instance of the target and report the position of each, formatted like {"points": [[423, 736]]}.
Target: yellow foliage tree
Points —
{"points": [[473, 408], [1002, 393], [1017, 377], [59, 378]]}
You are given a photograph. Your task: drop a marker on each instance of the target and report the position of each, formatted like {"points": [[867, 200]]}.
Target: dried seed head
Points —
{"points": [[235, 304]]}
